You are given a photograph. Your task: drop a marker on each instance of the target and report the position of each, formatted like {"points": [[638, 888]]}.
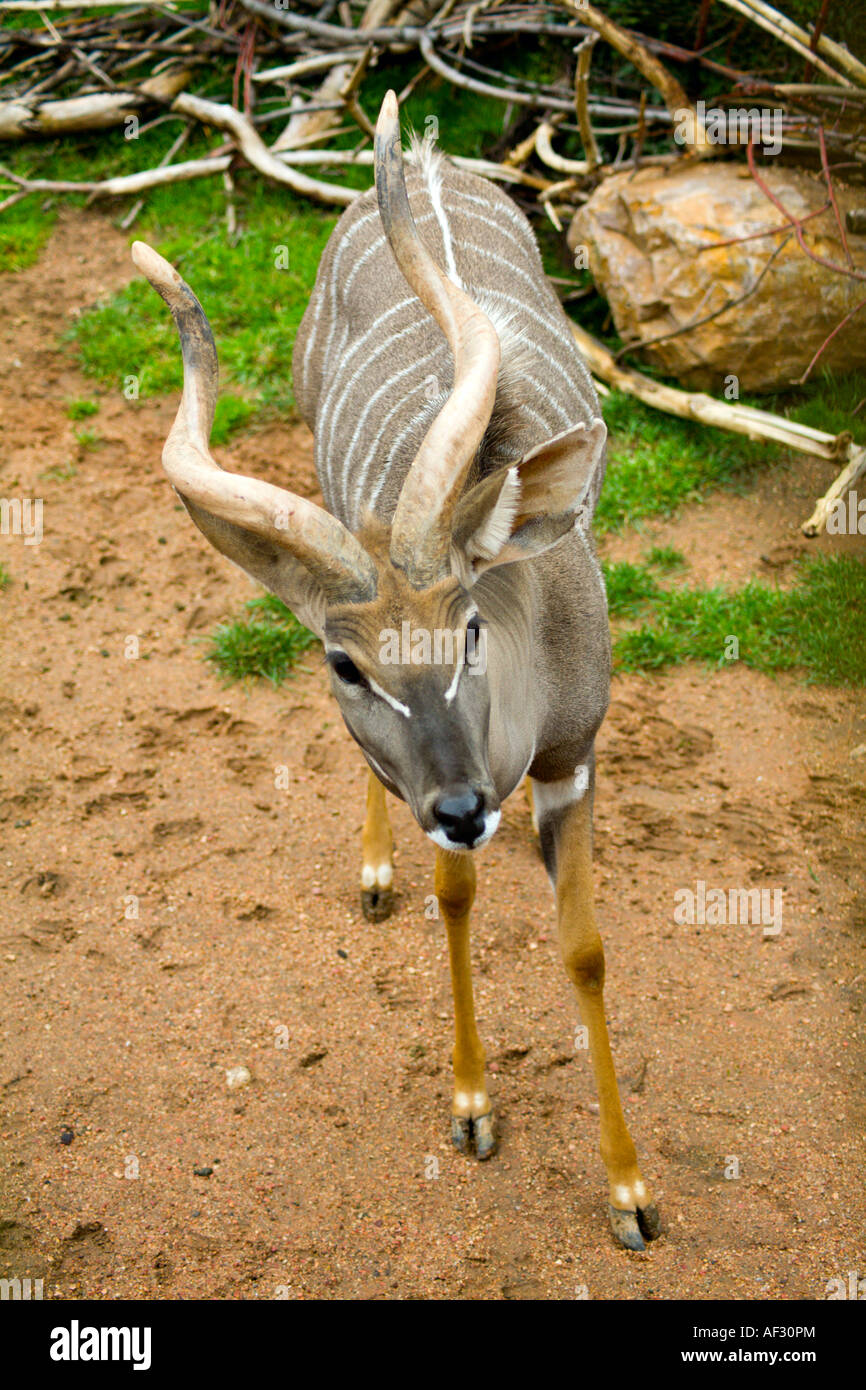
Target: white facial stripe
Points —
{"points": [[452, 689], [377, 689], [389, 699], [378, 769]]}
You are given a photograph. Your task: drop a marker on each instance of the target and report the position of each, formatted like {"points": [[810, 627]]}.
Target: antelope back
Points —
{"points": [[372, 369]]}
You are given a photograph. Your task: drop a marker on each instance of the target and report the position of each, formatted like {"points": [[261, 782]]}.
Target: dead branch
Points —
{"points": [[94, 111], [581, 89], [256, 152], [341, 83], [545, 151], [217, 163], [674, 96], [786, 32], [316, 62], [484, 89], [706, 410], [840, 487]]}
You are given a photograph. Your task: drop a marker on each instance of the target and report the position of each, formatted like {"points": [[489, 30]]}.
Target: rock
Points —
{"points": [[236, 1077], [645, 236]]}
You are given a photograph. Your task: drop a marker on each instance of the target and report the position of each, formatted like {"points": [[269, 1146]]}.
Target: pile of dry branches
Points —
{"points": [[301, 67]]}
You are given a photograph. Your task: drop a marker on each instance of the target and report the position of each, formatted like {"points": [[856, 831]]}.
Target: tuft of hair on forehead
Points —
{"points": [[427, 157]]}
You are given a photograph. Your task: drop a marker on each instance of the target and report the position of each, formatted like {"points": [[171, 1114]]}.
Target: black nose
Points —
{"points": [[460, 814]]}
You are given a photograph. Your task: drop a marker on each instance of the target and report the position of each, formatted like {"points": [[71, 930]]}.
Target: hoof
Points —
{"points": [[476, 1136], [377, 903], [632, 1228]]}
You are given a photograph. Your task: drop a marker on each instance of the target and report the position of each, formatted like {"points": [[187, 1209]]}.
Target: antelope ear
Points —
{"points": [[270, 564], [521, 511]]}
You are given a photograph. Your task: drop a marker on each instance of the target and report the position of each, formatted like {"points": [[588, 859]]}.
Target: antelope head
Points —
{"points": [[421, 717]]}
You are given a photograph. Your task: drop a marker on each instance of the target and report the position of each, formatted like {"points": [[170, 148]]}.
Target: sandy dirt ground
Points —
{"points": [[130, 1168]]}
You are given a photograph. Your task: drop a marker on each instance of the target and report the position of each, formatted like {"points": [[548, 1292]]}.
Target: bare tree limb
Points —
{"points": [[256, 152], [798, 39], [94, 111], [840, 487], [695, 405], [770, 23], [581, 91], [674, 96]]}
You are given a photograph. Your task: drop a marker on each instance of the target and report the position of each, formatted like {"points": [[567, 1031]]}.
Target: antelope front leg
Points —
{"points": [[377, 870], [472, 1117], [566, 835]]}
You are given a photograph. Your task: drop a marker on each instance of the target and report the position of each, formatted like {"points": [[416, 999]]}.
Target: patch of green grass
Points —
{"points": [[59, 473], [656, 462], [265, 644], [88, 439], [665, 558], [231, 414], [629, 588], [698, 625], [830, 606], [827, 402], [80, 409], [5, 576], [819, 626], [24, 230], [254, 293]]}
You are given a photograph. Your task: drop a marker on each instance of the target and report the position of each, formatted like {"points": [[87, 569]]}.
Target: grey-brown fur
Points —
{"points": [[548, 643], [359, 280]]}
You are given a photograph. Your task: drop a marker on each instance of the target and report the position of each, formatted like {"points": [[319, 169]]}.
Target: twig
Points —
{"points": [[840, 487], [315, 62], [829, 339], [256, 152], [674, 96], [581, 87], [757, 236], [471, 84], [786, 32], [797, 223], [817, 31], [169, 155], [832, 196], [545, 151], [729, 415]]}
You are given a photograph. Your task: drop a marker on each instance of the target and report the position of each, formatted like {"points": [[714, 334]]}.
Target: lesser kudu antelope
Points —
{"points": [[460, 451]]}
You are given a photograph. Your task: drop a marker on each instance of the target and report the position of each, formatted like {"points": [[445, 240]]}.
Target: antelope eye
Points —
{"points": [[473, 637], [346, 670]]}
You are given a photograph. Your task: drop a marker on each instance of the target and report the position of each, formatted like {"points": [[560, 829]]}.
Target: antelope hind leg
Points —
{"points": [[377, 870], [473, 1122], [565, 818]]}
